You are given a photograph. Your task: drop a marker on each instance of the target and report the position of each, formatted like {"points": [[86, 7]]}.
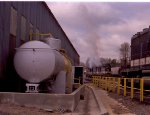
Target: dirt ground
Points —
{"points": [[112, 105], [9, 109], [133, 105], [124, 105]]}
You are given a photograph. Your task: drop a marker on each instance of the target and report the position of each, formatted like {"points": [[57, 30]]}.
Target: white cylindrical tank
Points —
{"points": [[35, 61]]}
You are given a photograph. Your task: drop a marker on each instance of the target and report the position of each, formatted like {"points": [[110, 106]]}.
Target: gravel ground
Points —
{"points": [[112, 105], [10, 109], [134, 105]]}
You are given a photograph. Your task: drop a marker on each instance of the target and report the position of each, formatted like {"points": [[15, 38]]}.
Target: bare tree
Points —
{"points": [[124, 53], [105, 61]]}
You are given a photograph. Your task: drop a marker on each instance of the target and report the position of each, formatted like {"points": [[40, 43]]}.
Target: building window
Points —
{"points": [[13, 21], [23, 29]]}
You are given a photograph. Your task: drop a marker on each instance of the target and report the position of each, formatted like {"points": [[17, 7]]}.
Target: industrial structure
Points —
{"points": [[140, 55], [140, 52], [19, 21]]}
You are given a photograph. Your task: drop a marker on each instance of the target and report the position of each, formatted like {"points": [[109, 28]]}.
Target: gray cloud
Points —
{"points": [[98, 29]]}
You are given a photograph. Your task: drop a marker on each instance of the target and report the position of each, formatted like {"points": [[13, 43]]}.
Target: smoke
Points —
{"points": [[98, 29], [92, 37], [85, 33], [93, 62]]}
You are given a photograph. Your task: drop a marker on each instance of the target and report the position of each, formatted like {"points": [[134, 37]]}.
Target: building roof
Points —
{"points": [[60, 26]]}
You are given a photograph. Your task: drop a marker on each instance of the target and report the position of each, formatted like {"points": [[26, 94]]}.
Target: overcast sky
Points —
{"points": [[98, 29]]}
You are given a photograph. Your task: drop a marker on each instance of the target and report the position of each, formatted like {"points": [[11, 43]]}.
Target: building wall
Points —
{"points": [[17, 20], [140, 45]]}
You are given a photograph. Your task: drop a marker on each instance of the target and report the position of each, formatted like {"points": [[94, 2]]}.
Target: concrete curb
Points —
{"points": [[52, 102], [102, 108]]}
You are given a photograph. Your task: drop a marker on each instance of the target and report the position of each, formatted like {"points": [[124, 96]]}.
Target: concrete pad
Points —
{"points": [[66, 102], [88, 106], [103, 110]]}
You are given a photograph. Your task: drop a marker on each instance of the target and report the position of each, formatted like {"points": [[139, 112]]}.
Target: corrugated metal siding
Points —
{"points": [[5, 31], [18, 29], [43, 21], [1, 36], [40, 17], [1, 51]]}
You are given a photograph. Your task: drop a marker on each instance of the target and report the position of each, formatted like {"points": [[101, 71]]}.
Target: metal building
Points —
{"points": [[140, 49], [140, 44], [17, 20]]}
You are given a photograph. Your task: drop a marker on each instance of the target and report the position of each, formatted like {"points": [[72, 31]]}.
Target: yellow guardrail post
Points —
{"points": [[110, 80], [105, 83], [125, 87], [132, 88], [92, 80], [99, 81], [102, 83], [108, 84], [141, 89], [114, 84], [118, 86], [96, 82], [79, 82]]}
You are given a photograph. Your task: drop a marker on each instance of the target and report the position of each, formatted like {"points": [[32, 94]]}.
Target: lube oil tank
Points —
{"points": [[39, 61], [35, 61], [68, 69], [56, 46]]}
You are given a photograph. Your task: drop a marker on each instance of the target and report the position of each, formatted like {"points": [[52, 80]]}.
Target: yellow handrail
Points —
{"points": [[110, 83], [78, 80]]}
